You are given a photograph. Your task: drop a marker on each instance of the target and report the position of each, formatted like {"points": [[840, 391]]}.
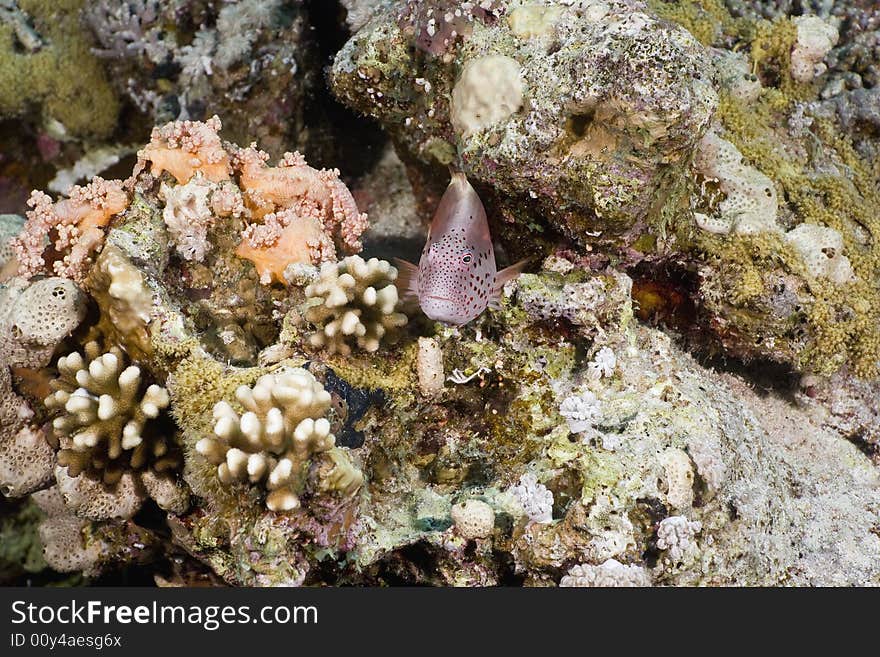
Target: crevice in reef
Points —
{"points": [[665, 294], [327, 119]]}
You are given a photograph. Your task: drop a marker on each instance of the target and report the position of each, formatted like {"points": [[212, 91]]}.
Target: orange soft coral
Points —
{"points": [[302, 210], [285, 238], [294, 183], [76, 224], [183, 148]]}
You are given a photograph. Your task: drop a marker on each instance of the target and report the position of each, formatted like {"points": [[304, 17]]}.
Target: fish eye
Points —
{"points": [[467, 258]]}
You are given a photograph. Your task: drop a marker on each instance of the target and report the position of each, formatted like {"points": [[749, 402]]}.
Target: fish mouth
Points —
{"points": [[436, 298]]}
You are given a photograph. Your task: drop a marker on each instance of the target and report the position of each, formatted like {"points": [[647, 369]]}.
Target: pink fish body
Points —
{"points": [[457, 278]]}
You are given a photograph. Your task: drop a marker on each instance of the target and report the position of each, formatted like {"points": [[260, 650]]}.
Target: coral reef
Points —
{"points": [[199, 375], [686, 154], [104, 410], [45, 63], [250, 61]]}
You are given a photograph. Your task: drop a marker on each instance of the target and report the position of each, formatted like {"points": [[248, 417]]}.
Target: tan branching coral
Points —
{"points": [[353, 302], [183, 148], [75, 227], [104, 411], [282, 430]]}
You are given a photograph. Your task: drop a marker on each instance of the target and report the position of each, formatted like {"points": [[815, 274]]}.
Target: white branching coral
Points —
{"points": [[275, 441], [603, 364], [534, 498], [353, 302], [104, 411], [675, 535], [611, 573], [581, 411]]}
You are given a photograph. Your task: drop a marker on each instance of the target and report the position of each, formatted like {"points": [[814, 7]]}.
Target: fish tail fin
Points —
{"points": [[502, 277], [407, 280]]}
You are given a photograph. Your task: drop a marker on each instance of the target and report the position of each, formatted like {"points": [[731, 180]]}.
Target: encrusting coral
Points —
{"points": [[35, 317], [104, 411], [353, 302], [282, 431]]}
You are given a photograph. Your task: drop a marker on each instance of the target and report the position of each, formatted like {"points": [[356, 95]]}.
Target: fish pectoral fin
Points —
{"points": [[507, 274], [502, 277], [407, 280]]}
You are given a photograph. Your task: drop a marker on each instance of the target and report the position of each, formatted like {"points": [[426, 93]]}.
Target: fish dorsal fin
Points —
{"points": [[407, 280], [502, 277]]}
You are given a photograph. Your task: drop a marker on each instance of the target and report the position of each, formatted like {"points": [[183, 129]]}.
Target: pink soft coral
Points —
{"points": [[184, 148], [302, 211], [76, 224]]}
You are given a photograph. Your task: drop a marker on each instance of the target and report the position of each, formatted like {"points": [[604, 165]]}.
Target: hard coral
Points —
{"points": [[353, 302], [611, 573], [104, 415], [34, 318], [282, 431], [75, 225]]}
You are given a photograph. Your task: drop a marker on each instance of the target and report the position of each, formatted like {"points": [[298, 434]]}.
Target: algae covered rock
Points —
{"points": [[582, 109]]}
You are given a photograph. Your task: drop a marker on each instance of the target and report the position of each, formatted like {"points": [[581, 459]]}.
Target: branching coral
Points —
{"points": [[676, 535], [353, 302], [75, 226], [611, 573], [281, 432], [534, 499], [105, 410]]}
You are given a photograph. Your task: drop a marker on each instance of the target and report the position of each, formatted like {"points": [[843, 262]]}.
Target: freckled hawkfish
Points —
{"points": [[456, 278]]}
